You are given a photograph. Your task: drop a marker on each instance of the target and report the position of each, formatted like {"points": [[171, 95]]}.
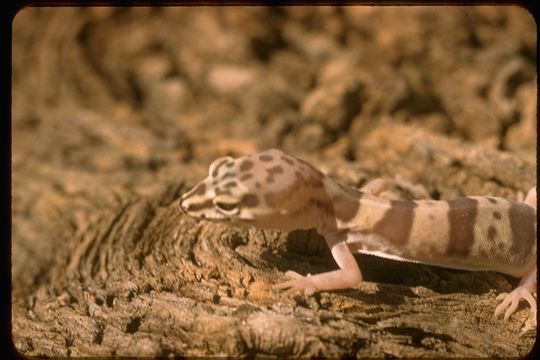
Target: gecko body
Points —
{"points": [[275, 190]]}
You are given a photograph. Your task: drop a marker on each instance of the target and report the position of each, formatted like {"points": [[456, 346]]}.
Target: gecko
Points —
{"points": [[276, 190]]}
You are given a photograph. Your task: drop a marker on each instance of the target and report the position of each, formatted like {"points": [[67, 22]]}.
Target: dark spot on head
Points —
{"points": [[216, 168], [228, 175], [431, 216], [246, 176], [287, 159], [492, 233], [220, 191], [230, 184], [201, 189], [266, 158], [257, 185], [273, 171], [250, 200], [207, 204], [492, 200], [497, 215], [246, 165], [278, 169], [229, 164]]}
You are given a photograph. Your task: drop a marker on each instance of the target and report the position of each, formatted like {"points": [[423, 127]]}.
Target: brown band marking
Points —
{"points": [[396, 224], [462, 214]]}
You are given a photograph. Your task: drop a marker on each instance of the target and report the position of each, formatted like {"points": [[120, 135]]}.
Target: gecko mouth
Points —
{"points": [[188, 209]]}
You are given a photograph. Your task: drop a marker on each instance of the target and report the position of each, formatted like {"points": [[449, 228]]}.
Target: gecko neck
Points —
{"points": [[347, 202]]}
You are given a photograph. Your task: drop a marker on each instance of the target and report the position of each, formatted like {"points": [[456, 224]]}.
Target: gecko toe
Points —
{"points": [[290, 291], [501, 296], [505, 298], [284, 285], [299, 284], [293, 274], [511, 309]]}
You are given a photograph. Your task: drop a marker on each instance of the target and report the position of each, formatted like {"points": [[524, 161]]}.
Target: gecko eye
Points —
{"points": [[227, 204]]}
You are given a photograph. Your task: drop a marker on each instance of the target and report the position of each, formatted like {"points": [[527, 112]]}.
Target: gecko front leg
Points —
{"points": [[347, 276]]}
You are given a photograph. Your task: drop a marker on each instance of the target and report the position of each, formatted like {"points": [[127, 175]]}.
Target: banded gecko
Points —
{"points": [[275, 190]]}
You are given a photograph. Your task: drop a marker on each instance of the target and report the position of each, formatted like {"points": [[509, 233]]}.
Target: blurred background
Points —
{"points": [[129, 99], [107, 90]]}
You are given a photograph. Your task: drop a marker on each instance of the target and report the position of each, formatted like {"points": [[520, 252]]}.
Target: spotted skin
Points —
{"points": [[276, 190]]}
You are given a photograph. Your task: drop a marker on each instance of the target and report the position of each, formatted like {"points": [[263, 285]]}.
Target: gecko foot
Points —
{"points": [[510, 302], [300, 283]]}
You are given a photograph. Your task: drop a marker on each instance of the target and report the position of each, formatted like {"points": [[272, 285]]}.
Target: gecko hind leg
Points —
{"points": [[525, 289], [510, 301], [375, 186], [530, 199]]}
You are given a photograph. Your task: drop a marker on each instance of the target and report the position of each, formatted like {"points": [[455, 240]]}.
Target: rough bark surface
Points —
{"points": [[116, 112]]}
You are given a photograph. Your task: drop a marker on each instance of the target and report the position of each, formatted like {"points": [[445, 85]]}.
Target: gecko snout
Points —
{"points": [[186, 207], [183, 208]]}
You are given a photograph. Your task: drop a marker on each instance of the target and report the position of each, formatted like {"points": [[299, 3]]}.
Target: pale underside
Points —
{"points": [[449, 264]]}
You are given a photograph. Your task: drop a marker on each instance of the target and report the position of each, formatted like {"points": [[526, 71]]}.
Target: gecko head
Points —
{"points": [[269, 190]]}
